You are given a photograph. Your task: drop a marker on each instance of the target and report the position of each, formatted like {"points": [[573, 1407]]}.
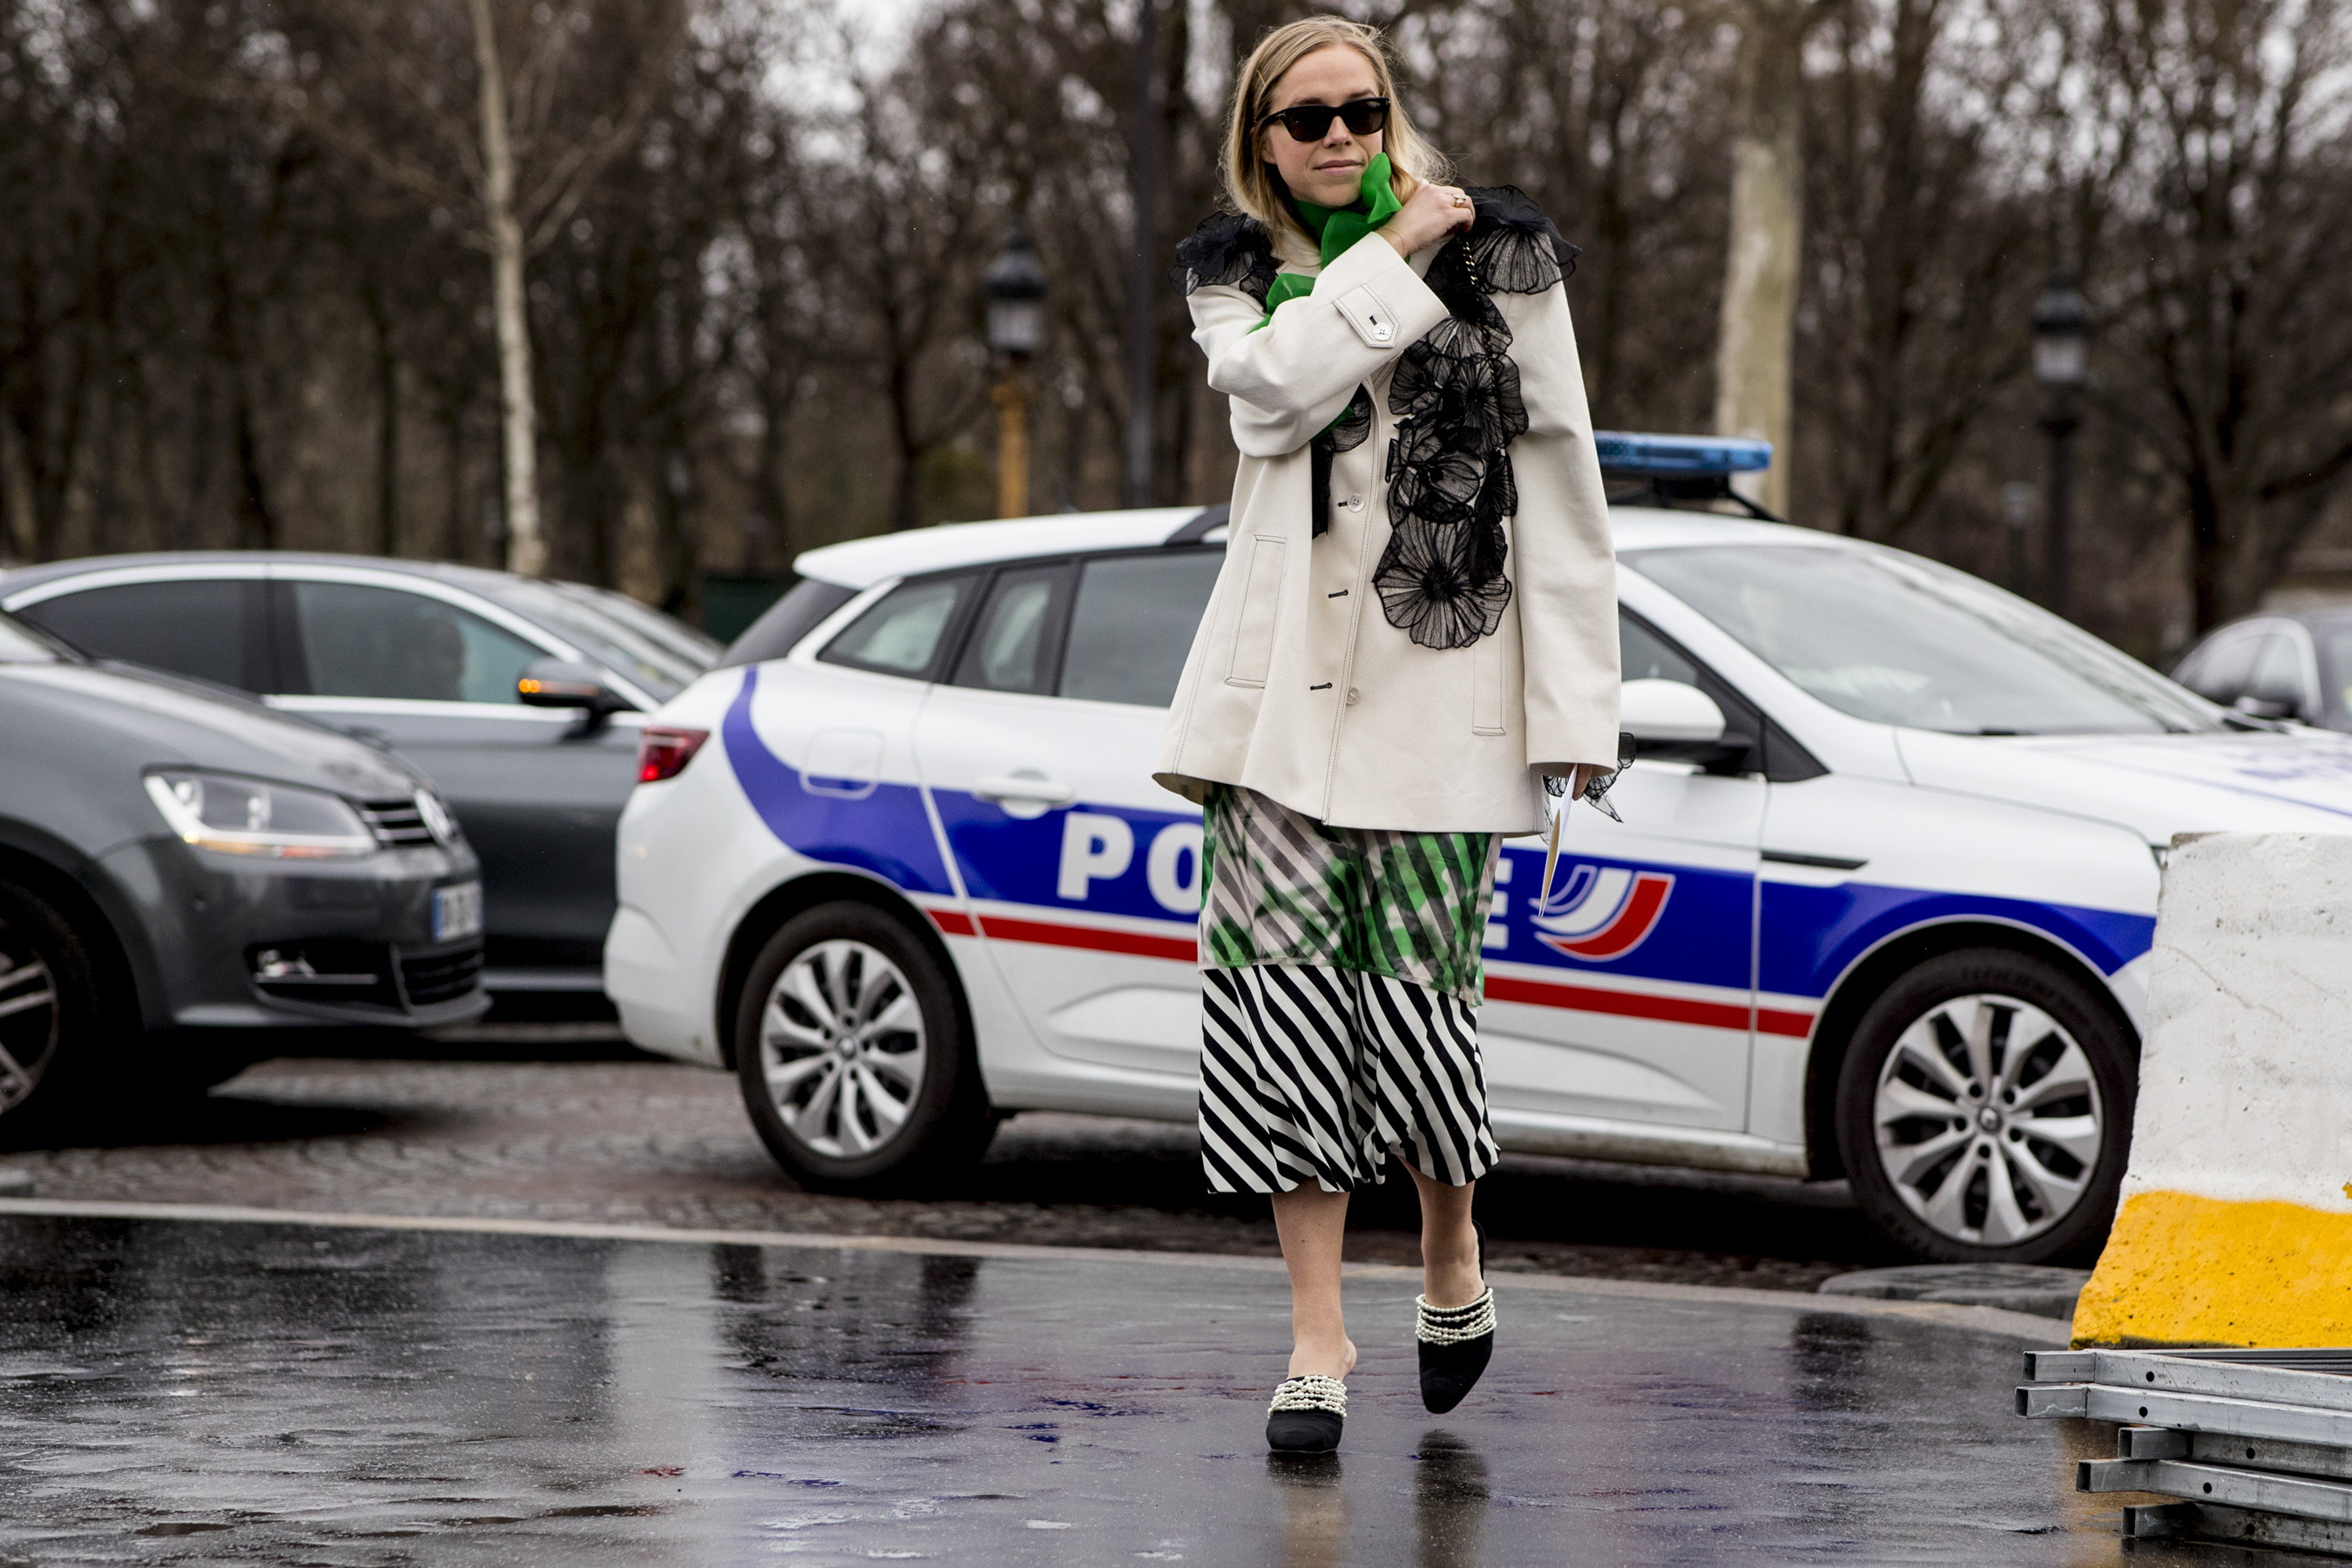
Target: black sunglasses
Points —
{"points": [[1312, 121]]}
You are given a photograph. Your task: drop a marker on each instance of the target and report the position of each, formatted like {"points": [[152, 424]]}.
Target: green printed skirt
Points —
{"points": [[1339, 971]]}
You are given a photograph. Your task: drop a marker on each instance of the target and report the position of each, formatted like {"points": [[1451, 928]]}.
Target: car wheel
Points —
{"points": [[855, 1061], [52, 1007], [1984, 1110]]}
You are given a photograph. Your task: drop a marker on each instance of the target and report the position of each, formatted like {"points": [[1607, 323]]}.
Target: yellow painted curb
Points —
{"points": [[2179, 1270]]}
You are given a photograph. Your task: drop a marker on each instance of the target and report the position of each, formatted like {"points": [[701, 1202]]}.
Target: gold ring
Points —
{"points": [[1462, 201]]}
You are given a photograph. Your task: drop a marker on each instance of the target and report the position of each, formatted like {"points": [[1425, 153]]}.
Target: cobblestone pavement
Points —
{"points": [[589, 1129]]}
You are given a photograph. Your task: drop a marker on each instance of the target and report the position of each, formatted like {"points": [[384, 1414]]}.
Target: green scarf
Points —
{"points": [[1339, 229]]}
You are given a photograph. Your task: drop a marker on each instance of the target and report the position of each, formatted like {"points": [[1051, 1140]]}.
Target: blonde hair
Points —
{"points": [[1251, 183]]}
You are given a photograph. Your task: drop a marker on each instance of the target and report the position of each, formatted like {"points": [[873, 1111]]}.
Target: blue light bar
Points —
{"points": [[1676, 455]]}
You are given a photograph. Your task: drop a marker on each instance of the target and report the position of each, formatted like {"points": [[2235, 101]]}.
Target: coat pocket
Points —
{"points": [[1487, 674], [1261, 602]]}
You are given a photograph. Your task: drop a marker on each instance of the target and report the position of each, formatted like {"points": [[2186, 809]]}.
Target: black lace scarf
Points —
{"points": [[1455, 399]]}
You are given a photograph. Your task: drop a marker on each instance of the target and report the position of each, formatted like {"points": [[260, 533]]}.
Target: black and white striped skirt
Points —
{"points": [[1339, 978]]}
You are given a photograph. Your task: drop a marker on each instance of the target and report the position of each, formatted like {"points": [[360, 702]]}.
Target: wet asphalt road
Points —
{"points": [[184, 1393], [546, 1123]]}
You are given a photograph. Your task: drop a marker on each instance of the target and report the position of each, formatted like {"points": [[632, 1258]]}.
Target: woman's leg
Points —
{"points": [[1449, 1247], [1312, 1223]]}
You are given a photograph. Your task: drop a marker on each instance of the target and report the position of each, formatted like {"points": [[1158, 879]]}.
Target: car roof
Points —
{"points": [[862, 562], [480, 579]]}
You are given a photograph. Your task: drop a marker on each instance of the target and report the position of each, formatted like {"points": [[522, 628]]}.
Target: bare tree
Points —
{"points": [[2227, 236], [1758, 335], [520, 162]]}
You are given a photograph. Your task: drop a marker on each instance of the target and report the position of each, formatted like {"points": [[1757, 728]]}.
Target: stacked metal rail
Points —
{"points": [[2258, 1443]]}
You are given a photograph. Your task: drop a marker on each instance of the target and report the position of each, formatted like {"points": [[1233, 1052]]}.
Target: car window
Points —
{"points": [[363, 641], [782, 623], [1133, 625], [210, 627], [696, 648], [2278, 673], [1014, 645], [2221, 666], [901, 633], [1643, 655], [1897, 639]]}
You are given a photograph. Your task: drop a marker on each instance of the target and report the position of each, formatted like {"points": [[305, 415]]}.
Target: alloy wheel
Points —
{"points": [[1989, 1119], [842, 1048], [28, 1016]]}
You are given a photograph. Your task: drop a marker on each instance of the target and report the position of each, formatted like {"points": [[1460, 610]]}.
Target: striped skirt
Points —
{"points": [[1340, 974]]}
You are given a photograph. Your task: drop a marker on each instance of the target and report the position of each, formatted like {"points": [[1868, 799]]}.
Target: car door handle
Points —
{"points": [[1013, 786]]}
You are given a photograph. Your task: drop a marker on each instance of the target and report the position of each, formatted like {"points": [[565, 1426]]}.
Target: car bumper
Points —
{"points": [[368, 920]]}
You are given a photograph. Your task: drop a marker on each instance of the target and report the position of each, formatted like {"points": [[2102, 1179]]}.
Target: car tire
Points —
{"points": [[56, 1010], [853, 1057], [1963, 1144]]}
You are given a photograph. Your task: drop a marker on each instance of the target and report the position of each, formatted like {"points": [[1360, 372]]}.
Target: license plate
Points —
{"points": [[456, 911]]}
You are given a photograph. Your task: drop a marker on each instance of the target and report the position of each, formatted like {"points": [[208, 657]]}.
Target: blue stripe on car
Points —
{"points": [[887, 832], [1812, 935]]}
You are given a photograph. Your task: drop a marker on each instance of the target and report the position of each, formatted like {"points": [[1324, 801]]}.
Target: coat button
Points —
{"points": [[1382, 332], [1354, 503], [1352, 695]]}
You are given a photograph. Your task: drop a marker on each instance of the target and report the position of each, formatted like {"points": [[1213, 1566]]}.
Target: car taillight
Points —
{"points": [[662, 753]]}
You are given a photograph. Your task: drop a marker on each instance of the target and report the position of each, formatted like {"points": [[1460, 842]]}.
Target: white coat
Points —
{"points": [[1298, 687]]}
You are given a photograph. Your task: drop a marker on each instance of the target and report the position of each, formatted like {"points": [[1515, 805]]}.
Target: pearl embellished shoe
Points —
{"points": [[1455, 1344], [1307, 1416]]}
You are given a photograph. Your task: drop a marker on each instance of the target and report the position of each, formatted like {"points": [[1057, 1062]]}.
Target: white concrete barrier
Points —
{"points": [[2235, 1225]]}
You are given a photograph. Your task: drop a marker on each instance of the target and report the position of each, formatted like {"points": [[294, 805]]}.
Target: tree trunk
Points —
{"points": [[526, 545], [1758, 336], [387, 429]]}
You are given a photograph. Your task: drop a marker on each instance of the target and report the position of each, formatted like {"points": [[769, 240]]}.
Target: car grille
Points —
{"points": [[397, 824], [441, 977]]}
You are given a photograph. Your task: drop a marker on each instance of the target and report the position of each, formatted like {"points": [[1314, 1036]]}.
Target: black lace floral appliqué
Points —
{"points": [[1231, 249], [1344, 434], [1456, 400]]}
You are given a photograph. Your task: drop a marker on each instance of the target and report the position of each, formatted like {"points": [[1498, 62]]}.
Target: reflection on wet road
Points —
{"points": [[187, 1391]]}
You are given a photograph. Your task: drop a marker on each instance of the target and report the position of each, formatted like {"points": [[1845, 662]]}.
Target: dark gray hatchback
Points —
{"points": [[436, 662], [184, 873]]}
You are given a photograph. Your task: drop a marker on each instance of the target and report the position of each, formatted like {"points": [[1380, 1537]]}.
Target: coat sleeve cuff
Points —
{"points": [[1379, 295]]}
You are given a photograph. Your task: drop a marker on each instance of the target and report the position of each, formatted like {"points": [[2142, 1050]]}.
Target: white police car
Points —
{"points": [[1880, 904]]}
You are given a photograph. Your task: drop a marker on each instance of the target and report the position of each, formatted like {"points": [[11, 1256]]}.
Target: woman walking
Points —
{"points": [[1415, 636]]}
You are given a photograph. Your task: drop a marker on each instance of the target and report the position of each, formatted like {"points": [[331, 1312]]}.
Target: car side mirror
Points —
{"points": [[563, 683], [2264, 708], [1673, 720], [1669, 714]]}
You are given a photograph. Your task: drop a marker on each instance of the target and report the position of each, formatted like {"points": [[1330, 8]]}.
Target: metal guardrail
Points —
{"points": [[2257, 1443]]}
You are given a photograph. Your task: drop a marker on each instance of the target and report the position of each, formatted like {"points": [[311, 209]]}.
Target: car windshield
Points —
{"points": [[665, 664], [1897, 639], [20, 644]]}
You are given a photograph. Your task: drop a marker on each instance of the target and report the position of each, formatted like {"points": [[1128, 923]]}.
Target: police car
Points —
{"points": [[1880, 905]]}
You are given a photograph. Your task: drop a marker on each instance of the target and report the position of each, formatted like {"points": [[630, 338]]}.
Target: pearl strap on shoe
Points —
{"points": [[1453, 1325], [1310, 1393]]}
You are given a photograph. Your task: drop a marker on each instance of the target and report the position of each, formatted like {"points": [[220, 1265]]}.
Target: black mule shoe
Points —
{"points": [[1456, 1342], [1307, 1416]]}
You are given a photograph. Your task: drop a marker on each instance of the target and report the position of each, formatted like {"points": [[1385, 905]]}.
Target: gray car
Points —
{"points": [[184, 875], [2280, 664], [519, 698]]}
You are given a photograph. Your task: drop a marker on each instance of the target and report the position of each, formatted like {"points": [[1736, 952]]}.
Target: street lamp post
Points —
{"points": [[1016, 286], [2061, 340]]}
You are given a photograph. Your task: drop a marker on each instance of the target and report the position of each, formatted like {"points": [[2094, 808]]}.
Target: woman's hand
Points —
{"points": [[1585, 774], [1429, 214]]}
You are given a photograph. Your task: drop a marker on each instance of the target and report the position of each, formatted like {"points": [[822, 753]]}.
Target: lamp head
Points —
{"points": [[2061, 334], [1015, 284]]}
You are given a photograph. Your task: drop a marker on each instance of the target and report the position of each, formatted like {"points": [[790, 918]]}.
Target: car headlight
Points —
{"points": [[247, 816]]}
